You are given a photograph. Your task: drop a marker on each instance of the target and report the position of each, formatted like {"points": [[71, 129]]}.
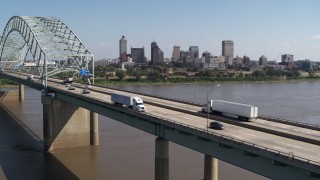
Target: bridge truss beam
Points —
{"points": [[52, 45]]}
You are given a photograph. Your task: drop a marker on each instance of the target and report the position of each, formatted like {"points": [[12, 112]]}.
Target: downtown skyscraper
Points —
{"points": [[123, 49], [137, 55], [156, 54], [176, 53], [228, 51], [194, 51]]}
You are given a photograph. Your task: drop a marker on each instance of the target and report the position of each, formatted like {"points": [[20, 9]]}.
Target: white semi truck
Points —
{"points": [[134, 103], [232, 109]]}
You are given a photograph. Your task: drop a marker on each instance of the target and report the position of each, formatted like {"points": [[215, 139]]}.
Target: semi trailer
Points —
{"points": [[231, 109]]}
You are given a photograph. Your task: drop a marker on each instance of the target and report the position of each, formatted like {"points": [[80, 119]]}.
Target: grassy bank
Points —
{"points": [[8, 83], [183, 80]]}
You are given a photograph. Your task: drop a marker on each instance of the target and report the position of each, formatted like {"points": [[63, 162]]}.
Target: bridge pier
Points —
{"points": [[94, 129], [161, 159], [21, 92], [67, 125], [210, 168]]}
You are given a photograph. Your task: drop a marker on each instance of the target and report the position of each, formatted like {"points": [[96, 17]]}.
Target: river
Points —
{"points": [[127, 153]]}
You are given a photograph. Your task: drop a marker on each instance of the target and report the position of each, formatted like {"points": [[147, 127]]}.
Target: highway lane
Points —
{"points": [[298, 148]]}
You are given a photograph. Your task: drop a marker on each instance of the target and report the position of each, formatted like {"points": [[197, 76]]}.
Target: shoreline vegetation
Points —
{"points": [[110, 76], [196, 80], [182, 80]]}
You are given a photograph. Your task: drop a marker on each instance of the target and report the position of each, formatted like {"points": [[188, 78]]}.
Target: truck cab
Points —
{"points": [[30, 77], [205, 108], [138, 104]]}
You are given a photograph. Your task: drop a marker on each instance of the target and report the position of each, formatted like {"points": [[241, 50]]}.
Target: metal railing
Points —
{"points": [[290, 122]]}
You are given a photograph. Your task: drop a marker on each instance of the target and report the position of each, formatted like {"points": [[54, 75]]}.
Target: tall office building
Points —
{"points": [[246, 60], [123, 49], [184, 55], [137, 55], [263, 61], [206, 55], [227, 51], [176, 53], [286, 58], [194, 51], [156, 54]]}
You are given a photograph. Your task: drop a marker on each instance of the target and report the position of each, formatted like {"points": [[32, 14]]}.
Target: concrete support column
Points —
{"points": [[21, 92], [66, 125], [94, 129], [47, 121], [162, 159], [210, 168]]}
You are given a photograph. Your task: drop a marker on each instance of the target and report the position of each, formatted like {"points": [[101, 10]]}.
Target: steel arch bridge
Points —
{"points": [[47, 42]]}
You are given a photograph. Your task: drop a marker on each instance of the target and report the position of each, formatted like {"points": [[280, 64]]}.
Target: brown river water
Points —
{"points": [[128, 153]]}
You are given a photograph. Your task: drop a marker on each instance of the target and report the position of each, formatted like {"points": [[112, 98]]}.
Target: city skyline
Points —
{"points": [[269, 28]]}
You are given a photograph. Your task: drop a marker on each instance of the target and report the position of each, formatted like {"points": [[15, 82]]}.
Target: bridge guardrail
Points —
{"points": [[290, 122]]}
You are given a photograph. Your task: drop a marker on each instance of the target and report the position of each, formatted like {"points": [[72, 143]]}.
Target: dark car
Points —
{"points": [[216, 125], [71, 88], [86, 91]]}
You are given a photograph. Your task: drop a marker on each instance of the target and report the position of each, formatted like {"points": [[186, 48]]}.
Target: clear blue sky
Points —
{"points": [[257, 27]]}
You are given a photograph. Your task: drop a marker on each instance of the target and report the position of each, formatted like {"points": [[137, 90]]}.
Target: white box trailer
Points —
{"points": [[242, 111], [134, 103]]}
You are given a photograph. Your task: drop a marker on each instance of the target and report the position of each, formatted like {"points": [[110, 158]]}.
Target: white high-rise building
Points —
{"points": [[123, 49]]}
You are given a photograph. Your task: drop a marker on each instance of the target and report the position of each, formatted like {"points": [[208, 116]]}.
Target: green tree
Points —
{"points": [[241, 75], [154, 74], [121, 75], [138, 75], [258, 73], [311, 73]]}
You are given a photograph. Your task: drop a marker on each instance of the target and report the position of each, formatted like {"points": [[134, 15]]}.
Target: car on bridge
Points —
{"points": [[216, 125], [85, 91], [71, 88]]}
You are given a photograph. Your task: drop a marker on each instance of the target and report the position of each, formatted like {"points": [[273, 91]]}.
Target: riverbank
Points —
{"points": [[193, 80], [184, 80]]}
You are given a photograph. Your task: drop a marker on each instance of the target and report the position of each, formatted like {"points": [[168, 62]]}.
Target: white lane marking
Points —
{"points": [[279, 148], [239, 137], [192, 119], [297, 147], [252, 135]]}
